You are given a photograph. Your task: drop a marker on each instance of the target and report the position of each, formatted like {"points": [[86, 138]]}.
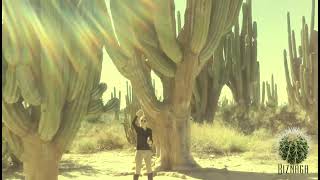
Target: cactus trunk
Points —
{"points": [[43, 160]]}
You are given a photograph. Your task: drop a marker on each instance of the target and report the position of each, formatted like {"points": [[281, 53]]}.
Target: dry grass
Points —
{"points": [[95, 137], [218, 138]]}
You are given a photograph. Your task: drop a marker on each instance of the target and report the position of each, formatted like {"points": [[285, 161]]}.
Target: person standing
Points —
{"points": [[144, 143]]}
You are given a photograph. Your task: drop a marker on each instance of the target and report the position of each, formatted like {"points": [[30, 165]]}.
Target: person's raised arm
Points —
{"points": [[134, 123], [138, 115]]}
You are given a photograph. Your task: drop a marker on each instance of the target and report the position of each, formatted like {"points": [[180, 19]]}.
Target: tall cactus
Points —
{"points": [[116, 103], [272, 93], [244, 72], [52, 55], [147, 40], [302, 85], [208, 86], [132, 106]]}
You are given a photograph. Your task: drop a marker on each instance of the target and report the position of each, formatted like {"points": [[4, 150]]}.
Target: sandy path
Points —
{"points": [[119, 165]]}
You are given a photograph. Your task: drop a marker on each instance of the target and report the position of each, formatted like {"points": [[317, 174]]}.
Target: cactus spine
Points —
{"points": [[302, 84]]}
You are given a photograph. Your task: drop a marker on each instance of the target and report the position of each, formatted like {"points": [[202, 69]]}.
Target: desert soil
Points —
{"points": [[119, 165]]}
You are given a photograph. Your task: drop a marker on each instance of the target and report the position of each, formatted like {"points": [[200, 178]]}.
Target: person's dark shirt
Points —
{"points": [[142, 136]]}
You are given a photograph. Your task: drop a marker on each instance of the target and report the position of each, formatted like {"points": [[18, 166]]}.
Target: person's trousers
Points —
{"points": [[145, 155]]}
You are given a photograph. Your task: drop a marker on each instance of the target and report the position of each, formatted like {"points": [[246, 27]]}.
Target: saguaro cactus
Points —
{"points": [[302, 85], [147, 40], [244, 73], [52, 57]]}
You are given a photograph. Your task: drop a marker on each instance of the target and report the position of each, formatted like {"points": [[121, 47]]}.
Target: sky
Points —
{"points": [[271, 18]]}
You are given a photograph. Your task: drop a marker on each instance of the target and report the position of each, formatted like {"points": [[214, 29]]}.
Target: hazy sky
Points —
{"points": [[271, 17]]}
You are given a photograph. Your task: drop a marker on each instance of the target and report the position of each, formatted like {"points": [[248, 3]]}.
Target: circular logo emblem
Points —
{"points": [[293, 146]]}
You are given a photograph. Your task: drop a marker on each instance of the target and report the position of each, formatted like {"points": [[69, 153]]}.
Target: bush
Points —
{"points": [[275, 119], [217, 139], [86, 146]]}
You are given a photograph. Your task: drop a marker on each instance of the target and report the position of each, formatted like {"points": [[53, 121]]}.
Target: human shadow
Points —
{"points": [[224, 174]]}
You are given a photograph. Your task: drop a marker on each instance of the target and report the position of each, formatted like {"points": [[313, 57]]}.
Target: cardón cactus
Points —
{"points": [[51, 80], [147, 40], [302, 84], [244, 68]]}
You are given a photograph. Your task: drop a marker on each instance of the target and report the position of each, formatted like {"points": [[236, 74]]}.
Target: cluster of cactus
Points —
{"points": [[272, 93], [115, 103], [243, 71], [96, 106], [293, 146], [302, 86], [132, 106], [208, 86]]}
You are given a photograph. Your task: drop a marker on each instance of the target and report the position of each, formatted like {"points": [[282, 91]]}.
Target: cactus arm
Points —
{"points": [[312, 16], [158, 61], [232, 17], [73, 112], [109, 40], [179, 22], [220, 10], [143, 89], [16, 118], [286, 68], [11, 92], [27, 84], [263, 92], [125, 34], [201, 21], [293, 67], [165, 25]]}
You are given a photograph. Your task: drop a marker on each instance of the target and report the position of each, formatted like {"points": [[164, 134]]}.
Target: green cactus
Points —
{"points": [[208, 86], [96, 106], [147, 41], [272, 93], [132, 106], [51, 82], [293, 146], [114, 103], [302, 85], [243, 66]]}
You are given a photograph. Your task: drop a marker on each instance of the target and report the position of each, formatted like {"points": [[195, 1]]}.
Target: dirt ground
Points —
{"points": [[119, 165]]}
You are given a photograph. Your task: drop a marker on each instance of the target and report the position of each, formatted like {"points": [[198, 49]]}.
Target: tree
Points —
{"points": [[146, 39], [51, 70]]}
